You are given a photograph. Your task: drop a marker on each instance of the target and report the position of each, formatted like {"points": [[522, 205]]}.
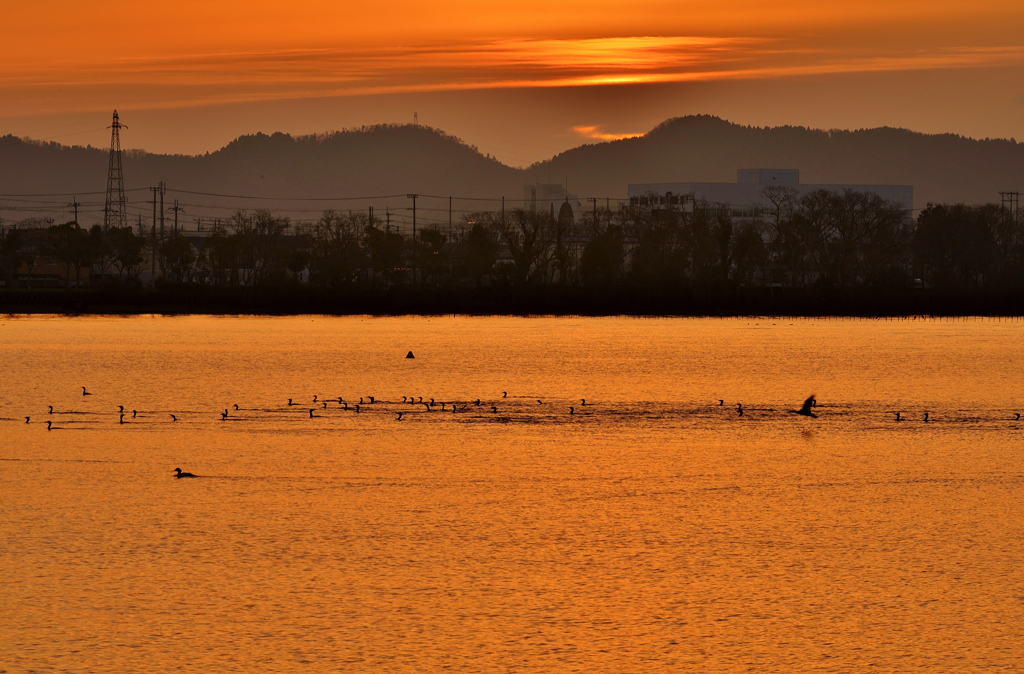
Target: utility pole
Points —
{"points": [[371, 216], [75, 204], [594, 199], [142, 230], [1010, 202], [152, 250], [387, 214], [163, 190], [503, 210], [413, 197], [176, 208], [449, 217]]}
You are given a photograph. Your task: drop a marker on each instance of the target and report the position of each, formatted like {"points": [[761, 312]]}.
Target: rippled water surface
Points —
{"points": [[654, 529]]}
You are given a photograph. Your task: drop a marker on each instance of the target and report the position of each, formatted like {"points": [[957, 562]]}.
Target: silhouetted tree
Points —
{"points": [[336, 251], [179, 257], [68, 244], [601, 264], [385, 253], [529, 236], [476, 254], [432, 255]]}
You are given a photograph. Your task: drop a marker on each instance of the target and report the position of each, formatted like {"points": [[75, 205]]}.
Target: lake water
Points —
{"points": [[654, 529]]}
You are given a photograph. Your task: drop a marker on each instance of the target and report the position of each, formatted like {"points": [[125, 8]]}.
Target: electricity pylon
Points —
{"points": [[115, 212]]}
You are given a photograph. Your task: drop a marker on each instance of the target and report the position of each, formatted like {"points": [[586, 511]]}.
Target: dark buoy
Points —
{"points": [[409, 355]]}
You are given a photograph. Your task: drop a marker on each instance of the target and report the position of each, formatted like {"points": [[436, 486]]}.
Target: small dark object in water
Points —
{"points": [[806, 409], [409, 355], [181, 474]]}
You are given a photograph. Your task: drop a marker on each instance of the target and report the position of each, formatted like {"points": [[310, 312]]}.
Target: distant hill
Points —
{"points": [[942, 168], [384, 160]]}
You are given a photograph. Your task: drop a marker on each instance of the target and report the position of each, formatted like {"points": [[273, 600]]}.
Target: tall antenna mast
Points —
{"points": [[115, 212]]}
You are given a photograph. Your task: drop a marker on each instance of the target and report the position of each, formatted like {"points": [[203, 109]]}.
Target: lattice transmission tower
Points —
{"points": [[115, 213]]}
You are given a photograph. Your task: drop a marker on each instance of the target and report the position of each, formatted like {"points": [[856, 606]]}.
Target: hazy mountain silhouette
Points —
{"points": [[386, 159]]}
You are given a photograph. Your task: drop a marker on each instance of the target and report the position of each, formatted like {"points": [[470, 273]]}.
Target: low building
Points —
{"points": [[749, 193]]}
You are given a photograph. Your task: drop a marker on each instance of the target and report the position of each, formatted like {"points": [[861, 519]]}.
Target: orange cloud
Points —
{"points": [[246, 76], [593, 132]]}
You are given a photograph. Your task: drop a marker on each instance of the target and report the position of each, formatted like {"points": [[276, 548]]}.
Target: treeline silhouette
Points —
{"points": [[824, 253]]}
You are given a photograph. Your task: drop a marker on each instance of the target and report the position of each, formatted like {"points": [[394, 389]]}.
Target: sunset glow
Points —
{"points": [[65, 58]]}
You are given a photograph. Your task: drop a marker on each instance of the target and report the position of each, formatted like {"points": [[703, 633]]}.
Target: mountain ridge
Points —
{"points": [[400, 159]]}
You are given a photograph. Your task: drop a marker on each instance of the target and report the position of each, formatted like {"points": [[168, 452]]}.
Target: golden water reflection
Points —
{"points": [[652, 529]]}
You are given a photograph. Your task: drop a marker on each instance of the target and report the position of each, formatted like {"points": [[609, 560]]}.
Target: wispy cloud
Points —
{"points": [[595, 133], [218, 78]]}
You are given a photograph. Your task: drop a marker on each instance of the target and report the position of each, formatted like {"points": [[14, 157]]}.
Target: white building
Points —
{"points": [[747, 193]]}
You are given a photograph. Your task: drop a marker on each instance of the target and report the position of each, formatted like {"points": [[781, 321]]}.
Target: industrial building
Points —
{"points": [[748, 194]]}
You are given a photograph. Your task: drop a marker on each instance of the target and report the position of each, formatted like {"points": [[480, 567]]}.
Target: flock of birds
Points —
{"points": [[432, 405]]}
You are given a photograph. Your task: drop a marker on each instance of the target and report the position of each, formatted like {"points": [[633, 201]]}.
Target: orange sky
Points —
{"points": [[313, 65]]}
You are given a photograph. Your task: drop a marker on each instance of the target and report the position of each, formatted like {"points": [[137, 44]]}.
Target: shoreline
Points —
{"points": [[804, 303]]}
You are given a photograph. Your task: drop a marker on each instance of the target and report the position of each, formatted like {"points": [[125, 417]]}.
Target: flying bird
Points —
{"points": [[806, 409]]}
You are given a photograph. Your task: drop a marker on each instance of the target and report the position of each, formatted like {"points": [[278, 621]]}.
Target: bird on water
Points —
{"points": [[122, 419], [583, 401], [494, 409], [120, 408], [28, 419], [135, 412], [739, 408], [1017, 418], [806, 409], [898, 417], [572, 410], [926, 417], [85, 393], [181, 474], [311, 414], [504, 394], [49, 425], [400, 416], [174, 418], [721, 402], [51, 409], [236, 406]]}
